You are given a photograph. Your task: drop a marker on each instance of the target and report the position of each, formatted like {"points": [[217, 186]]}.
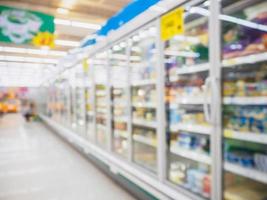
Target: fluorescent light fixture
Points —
{"points": [[63, 11], [57, 53], [27, 59], [62, 22], [32, 51], [67, 43], [85, 25], [14, 50], [78, 24]]}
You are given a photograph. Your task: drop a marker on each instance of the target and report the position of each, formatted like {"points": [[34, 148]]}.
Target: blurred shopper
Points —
{"points": [[29, 112], [1, 109]]}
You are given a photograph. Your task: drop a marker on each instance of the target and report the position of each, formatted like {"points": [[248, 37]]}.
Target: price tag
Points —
{"points": [[228, 133], [85, 65], [172, 24], [154, 142]]}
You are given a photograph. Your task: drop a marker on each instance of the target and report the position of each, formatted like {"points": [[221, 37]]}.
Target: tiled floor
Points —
{"points": [[37, 165]]}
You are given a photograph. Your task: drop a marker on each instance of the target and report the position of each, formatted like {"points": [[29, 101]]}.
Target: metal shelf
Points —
{"points": [[206, 130], [143, 82], [122, 134], [142, 122], [190, 154], [144, 105], [189, 101], [245, 60], [101, 93], [120, 119], [253, 174], [246, 136], [145, 140], [101, 127], [245, 100]]}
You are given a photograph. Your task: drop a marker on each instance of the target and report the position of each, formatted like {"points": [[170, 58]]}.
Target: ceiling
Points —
{"points": [[74, 20]]}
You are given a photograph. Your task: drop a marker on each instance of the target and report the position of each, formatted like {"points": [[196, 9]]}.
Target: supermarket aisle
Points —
{"points": [[35, 164]]}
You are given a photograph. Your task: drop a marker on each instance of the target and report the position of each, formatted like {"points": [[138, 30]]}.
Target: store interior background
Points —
{"points": [[184, 112]]}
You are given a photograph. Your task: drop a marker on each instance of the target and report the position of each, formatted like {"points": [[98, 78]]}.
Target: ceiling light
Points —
{"points": [[62, 22], [57, 53], [33, 51], [14, 50], [67, 43], [27, 59], [78, 24], [62, 11], [85, 25]]}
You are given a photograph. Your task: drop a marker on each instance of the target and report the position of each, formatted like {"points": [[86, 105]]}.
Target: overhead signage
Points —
{"points": [[172, 24], [26, 27]]}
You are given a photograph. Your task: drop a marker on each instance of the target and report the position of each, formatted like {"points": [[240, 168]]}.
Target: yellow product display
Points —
{"points": [[229, 89]]}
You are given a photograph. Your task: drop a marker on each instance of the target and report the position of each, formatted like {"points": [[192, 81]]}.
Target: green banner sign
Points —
{"points": [[24, 26]]}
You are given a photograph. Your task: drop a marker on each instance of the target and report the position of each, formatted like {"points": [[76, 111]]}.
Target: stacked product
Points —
{"points": [[192, 142], [246, 157], [101, 114], [246, 118], [119, 122], [187, 117], [195, 178], [245, 40]]}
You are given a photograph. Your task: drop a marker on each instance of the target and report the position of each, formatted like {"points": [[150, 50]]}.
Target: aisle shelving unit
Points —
{"points": [[244, 77], [166, 107]]}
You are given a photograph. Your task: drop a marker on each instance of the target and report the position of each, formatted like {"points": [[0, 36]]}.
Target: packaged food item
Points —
{"points": [[260, 161], [246, 118]]}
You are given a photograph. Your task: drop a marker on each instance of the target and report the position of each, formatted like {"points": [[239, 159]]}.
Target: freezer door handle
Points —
{"points": [[206, 88]]}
